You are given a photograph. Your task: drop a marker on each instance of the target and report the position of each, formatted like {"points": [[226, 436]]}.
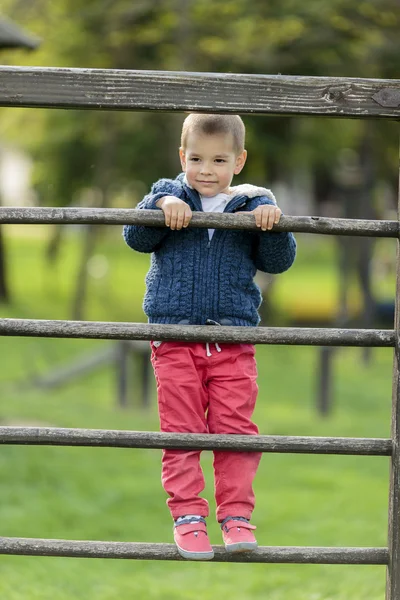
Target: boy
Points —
{"points": [[198, 277]]}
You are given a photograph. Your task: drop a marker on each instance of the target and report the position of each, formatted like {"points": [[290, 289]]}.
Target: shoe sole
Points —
{"points": [[241, 547], [195, 555]]}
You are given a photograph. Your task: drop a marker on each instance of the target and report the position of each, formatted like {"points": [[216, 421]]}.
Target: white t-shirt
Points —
{"points": [[214, 204]]}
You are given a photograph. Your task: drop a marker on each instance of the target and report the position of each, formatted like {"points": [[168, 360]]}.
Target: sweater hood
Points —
{"points": [[251, 191]]}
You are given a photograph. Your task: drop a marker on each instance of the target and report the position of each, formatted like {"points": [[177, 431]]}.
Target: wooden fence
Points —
{"points": [[214, 93]]}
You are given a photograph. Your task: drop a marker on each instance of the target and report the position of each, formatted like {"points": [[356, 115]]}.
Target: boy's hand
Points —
{"points": [[177, 213], [267, 216]]}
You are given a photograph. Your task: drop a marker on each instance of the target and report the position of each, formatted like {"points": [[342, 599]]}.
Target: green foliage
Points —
{"points": [[318, 37]]}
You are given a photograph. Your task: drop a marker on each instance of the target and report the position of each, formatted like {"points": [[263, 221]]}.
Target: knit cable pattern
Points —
{"points": [[192, 278]]}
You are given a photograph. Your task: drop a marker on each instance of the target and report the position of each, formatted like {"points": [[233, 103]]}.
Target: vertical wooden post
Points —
{"points": [[393, 574], [325, 380]]}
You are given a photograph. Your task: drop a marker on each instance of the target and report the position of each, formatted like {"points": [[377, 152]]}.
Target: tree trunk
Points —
{"points": [[53, 246], [4, 288], [106, 157], [4, 285], [81, 279]]}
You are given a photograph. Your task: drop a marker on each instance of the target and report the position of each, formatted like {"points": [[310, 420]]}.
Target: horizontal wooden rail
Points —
{"points": [[121, 216], [142, 551], [54, 436], [197, 333], [201, 92]]}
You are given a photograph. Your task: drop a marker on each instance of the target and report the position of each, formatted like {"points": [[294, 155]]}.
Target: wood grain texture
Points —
{"points": [[122, 216], [201, 92], [197, 333], [54, 436], [393, 573], [142, 551]]}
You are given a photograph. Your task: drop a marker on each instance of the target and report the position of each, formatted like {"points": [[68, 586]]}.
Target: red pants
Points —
{"points": [[198, 393]]}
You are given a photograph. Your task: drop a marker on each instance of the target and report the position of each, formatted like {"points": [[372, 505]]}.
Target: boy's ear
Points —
{"points": [[240, 162], [182, 159]]}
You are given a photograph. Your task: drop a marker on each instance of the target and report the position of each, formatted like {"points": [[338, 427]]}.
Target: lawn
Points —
{"points": [[115, 494]]}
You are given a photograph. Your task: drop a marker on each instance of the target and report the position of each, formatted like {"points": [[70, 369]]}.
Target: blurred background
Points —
{"points": [[315, 166]]}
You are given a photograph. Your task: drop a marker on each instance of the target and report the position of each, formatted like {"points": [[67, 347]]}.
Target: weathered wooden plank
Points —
{"points": [[54, 436], [200, 333], [201, 92], [393, 573], [121, 216], [142, 551]]}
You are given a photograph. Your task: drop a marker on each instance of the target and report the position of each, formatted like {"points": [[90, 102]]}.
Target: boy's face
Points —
{"points": [[210, 162]]}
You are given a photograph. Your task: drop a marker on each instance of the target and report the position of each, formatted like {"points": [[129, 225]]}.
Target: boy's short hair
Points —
{"points": [[215, 124]]}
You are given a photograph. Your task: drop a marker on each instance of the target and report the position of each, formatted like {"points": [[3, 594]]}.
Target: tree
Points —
{"points": [[318, 37]]}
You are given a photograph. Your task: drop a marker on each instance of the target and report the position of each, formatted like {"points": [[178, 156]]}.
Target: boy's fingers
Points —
{"points": [[271, 219], [266, 218], [262, 220], [179, 220], [173, 220], [265, 221], [176, 212]]}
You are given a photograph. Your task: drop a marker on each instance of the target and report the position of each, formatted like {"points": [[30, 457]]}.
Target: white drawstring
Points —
{"points": [[208, 351]]}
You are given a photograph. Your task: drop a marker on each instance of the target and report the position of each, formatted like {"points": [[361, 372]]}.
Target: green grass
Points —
{"points": [[115, 494], [310, 290]]}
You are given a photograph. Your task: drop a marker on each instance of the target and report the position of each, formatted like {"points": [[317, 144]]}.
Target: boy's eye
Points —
{"points": [[220, 160], [194, 159]]}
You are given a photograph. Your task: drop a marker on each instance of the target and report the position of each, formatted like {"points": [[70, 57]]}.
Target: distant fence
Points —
{"points": [[214, 93]]}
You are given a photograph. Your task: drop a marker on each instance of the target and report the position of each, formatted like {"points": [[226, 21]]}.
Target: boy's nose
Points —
{"points": [[206, 168]]}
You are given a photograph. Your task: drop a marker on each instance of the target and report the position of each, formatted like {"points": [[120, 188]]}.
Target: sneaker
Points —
{"points": [[238, 535], [191, 539]]}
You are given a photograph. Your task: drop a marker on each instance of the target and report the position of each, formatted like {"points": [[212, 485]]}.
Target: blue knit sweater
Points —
{"points": [[191, 278]]}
